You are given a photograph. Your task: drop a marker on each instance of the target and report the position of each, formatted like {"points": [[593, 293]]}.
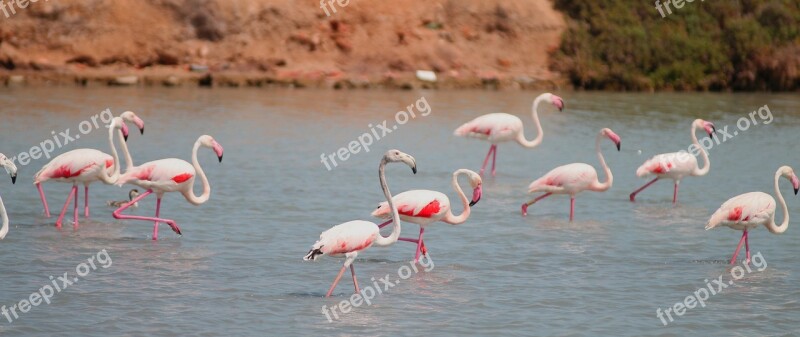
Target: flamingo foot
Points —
{"points": [[633, 197], [525, 209]]}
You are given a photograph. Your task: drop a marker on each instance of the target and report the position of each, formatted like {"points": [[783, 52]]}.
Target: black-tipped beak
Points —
{"points": [[795, 190], [125, 137], [474, 202], [220, 158], [14, 181], [141, 130], [618, 145], [414, 169]]}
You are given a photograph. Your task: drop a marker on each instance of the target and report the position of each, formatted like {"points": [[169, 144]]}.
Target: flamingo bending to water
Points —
{"points": [[502, 127], [84, 166], [169, 175], [574, 178], [424, 207], [676, 165], [352, 237], [12, 171], [750, 210]]}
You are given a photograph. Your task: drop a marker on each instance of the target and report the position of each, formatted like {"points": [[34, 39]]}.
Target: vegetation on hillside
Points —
{"points": [[705, 45]]}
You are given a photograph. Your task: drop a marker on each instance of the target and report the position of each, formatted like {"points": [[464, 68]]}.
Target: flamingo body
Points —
{"points": [[76, 166], [349, 237], [567, 179], [744, 211], [494, 127], [675, 165], [161, 176], [421, 207]]}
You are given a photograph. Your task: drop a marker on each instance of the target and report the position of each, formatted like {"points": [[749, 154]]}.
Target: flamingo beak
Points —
{"points": [[710, 129], [140, 124], [795, 184], [14, 179], [217, 149], [124, 132], [558, 102], [476, 195]]}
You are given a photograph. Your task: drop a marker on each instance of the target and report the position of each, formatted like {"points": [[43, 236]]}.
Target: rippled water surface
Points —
{"points": [[238, 268]]}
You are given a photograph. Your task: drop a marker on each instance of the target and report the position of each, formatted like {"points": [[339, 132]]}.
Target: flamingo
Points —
{"points": [[503, 127], [352, 237], [11, 169], [424, 207], [574, 178], [85, 166], [748, 211], [676, 165], [168, 175]]}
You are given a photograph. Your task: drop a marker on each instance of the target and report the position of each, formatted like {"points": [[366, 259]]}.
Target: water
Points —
{"points": [[237, 270]]}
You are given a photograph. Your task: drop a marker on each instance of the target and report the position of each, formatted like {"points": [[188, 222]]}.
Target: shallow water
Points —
{"points": [[238, 268]]}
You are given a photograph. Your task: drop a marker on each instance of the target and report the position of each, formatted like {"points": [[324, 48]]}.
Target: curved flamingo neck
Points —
{"points": [[4, 229], [598, 186], [126, 153], [104, 176], [771, 223], [706, 163], [539, 132], [189, 192], [458, 219], [392, 238]]}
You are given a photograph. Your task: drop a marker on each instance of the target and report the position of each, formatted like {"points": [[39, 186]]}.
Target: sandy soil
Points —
{"points": [[366, 43]]}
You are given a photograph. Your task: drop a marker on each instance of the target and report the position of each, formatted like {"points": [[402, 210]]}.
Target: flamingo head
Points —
{"points": [[557, 101], [613, 136], [118, 123], [315, 251], [397, 156], [210, 142], [788, 173], [477, 186], [131, 117], [11, 169], [706, 125]]}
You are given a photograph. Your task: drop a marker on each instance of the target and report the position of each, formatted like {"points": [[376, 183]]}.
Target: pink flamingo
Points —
{"points": [[503, 127], [574, 178], [424, 207], [747, 211], [677, 165], [85, 166], [168, 175], [352, 237], [11, 169]]}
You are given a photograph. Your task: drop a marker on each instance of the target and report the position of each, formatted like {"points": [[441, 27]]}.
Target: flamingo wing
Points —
{"points": [[74, 164], [416, 203], [495, 126], [668, 164], [168, 174], [351, 236], [564, 178], [744, 209]]}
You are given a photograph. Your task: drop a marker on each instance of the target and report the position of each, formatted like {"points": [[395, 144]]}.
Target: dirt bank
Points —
{"points": [[367, 43]]}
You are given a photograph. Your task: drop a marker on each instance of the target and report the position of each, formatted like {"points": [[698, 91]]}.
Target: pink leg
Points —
{"points": [[44, 200], [494, 158], [419, 244], [486, 161], [571, 208], [747, 246], [155, 225], [385, 223], [736, 253], [335, 282], [75, 209], [60, 219], [118, 214], [355, 281], [633, 195], [525, 205], [675, 193], [86, 201]]}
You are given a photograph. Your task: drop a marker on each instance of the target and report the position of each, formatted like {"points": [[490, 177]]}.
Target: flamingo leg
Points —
{"points": [[118, 213], [385, 223], [747, 246], [494, 158], [355, 281], [525, 205], [486, 161], [633, 195], [75, 209], [44, 200], [155, 225], [675, 193], [419, 244], [571, 208], [60, 219], [86, 201], [736, 253], [336, 281]]}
